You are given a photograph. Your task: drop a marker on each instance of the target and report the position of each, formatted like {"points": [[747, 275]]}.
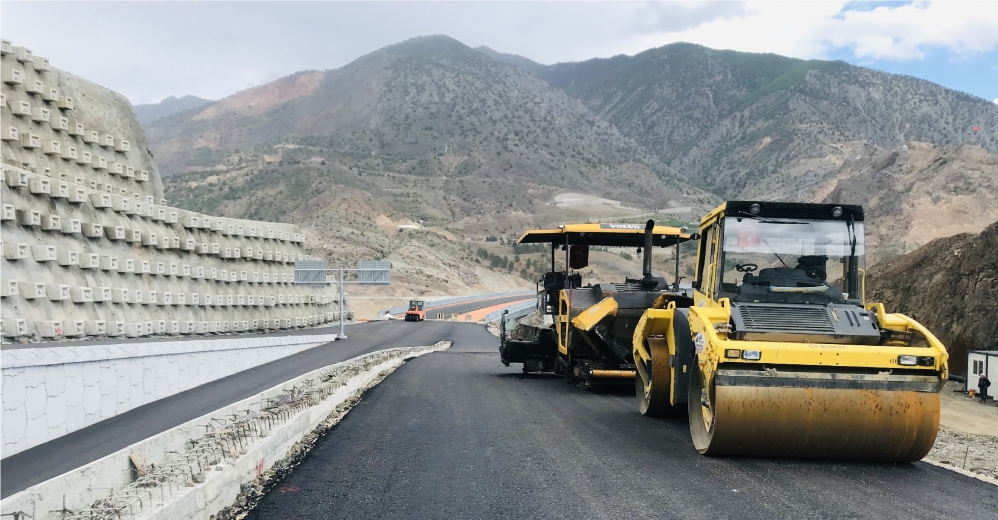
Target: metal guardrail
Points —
{"points": [[516, 311]]}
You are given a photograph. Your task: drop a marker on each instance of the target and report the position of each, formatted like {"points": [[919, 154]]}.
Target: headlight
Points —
{"points": [[751, 355], [907, 360], [754, 209], [926, 361], [732, 353], [837, 211]]}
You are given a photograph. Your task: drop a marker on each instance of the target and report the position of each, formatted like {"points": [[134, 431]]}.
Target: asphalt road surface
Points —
{"points": [[81, 447], [457, 435]]}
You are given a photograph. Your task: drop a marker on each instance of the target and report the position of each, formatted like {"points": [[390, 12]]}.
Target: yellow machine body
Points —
{"points": [[792, 394]]}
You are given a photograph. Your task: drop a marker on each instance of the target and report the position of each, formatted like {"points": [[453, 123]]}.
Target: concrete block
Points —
{"points": [[15, 178], [102, 294], [159, 268], [78, 195], [12, 328], [59, 123], [126, 265], [21, 108], [74, 328], [164, 298], [59, 190], [206, 299], [142, 176], [39, 186], [31, 290], [8, 213], [23, 54], [40, 114], [229, 300], [180, 298], [70, 153], [143, 267], [193, 299], [107, 141], [100, 163], [40, 64], [101, 200], [84, 158], [150, 240], [115, 168], [8, 288], [122, 146], [120, 295], [94, 230], [185, 270], [29, 217], [70, 226], [89, 261], [43, 252], [51, 95], [225, 326], [223, 275], [51, 223], [172, 327], [129, 172], [192, 221], [35, 88], [159, 326], [115, 232], [91, 137], [11, 133], [95, 327], [6, 47], [13, 76], [57, 292], [115, 328], [172, 217], [134, 330], [120, 204], [210, 223], [187, 327], [108, 263], [149, 297], [173, 269], [49, 328], [67, 257], [211, 327]]}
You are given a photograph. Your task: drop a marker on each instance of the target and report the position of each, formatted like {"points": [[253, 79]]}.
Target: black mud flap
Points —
{"points": [[682, 362], [544, 349]]}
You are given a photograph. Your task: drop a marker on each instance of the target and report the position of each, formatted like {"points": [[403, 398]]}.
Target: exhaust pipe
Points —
{"points": [[649, 227]]}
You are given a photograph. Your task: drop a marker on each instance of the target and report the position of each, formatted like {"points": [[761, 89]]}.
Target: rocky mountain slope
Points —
{"points": [[949, 285], [744, 125], [152, 111], [465, 142]]}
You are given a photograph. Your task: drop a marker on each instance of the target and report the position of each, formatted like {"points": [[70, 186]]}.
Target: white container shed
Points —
{"points": [[982, 362]]}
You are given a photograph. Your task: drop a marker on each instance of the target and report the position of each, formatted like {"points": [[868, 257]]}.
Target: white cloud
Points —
{"points": [[996, 101], [814, 29]]}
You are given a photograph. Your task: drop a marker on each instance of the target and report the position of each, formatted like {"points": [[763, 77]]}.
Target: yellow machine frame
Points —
{"points": [[879, 424]]}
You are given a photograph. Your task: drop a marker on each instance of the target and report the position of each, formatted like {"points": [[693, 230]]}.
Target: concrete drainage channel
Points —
{"points": [[215, 466]]}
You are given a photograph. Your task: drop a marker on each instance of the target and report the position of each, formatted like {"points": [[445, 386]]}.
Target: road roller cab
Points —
{"points": [[780, 355]]}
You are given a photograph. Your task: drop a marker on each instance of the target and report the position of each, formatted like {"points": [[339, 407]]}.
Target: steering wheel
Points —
{"points": [[746, 268]]}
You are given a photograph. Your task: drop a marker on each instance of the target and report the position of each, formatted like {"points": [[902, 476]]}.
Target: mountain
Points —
{"points": [[949, 285], [744, 125], [150, 112], [464, 143]]}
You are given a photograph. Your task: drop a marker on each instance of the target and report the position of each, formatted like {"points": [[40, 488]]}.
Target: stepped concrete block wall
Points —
{"points": [[90, 246]]}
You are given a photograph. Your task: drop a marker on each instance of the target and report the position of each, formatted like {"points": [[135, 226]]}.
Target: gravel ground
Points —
{"points": [[974, 453]]}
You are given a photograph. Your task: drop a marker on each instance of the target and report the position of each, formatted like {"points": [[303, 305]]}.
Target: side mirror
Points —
{"points": [[695, 236], [695, 284]]}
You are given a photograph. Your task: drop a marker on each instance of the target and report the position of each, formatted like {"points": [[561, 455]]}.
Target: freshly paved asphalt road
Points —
{"points": [[81, 447], [455, 434]]}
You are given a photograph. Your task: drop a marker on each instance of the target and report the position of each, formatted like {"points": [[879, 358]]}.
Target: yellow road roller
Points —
{"points": [[779, 354]]}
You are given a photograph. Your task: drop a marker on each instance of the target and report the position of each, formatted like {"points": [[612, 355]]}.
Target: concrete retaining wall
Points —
{"points": [[91, 248], [50, 391]]}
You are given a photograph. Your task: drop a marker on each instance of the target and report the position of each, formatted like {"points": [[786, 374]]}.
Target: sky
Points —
{"points": [[152, 50]]}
